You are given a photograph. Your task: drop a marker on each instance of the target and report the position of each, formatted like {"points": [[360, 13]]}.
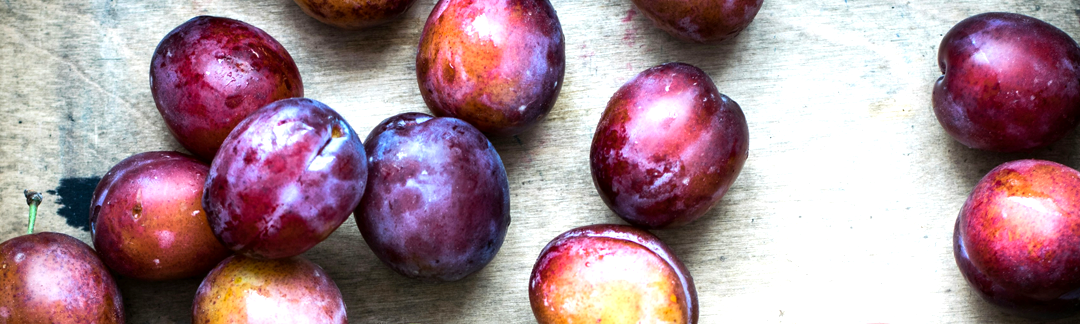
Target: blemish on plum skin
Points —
{"points": [[1016, 185]]}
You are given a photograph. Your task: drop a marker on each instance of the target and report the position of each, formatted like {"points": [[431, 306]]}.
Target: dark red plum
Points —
{"points": [[1009, 82], [211, 72], [48, 278], [1017, 238], [147, 220], [667, 147], [700, 21], [437, 204], [496, 64], [611, 274], [354, 14], [252, 291], [286, 178]]}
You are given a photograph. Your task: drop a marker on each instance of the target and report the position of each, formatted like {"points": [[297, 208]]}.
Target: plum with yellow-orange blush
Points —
{"points": [[147, 220], [496, 64], [1017, 238], [611, 274]]}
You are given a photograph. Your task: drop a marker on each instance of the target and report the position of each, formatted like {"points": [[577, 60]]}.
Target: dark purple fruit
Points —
{"points": [[437, 205]]}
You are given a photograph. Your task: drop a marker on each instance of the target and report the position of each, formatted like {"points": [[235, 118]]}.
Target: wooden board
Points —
{"points": [[843, 213]]}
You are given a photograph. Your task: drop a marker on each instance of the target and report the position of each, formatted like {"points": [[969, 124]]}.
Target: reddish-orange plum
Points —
{"points": [[1017, 238], [668, 147], [700, 21], [1009, 82], [286, 178], [611, 274], [252, 291], [147, 220], [354, 14], [53, 278], [496, 64], [209, 73]]}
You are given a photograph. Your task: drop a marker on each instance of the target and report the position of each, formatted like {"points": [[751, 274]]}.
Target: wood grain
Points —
{"points": [[843, 213]]}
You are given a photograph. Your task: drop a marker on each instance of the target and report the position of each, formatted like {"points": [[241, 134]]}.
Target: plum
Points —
{"points": [[437, 204], [354, 14], [211, 72], [1009, 82], [700, 21], [497, 64], [611, 273], [1017, 238], [147, 220], [253, 291], [667, 147], [54, 278], [284, 179]]}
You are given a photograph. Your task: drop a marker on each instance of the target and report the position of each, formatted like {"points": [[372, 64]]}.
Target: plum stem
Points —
{"points": [[33, 199]]}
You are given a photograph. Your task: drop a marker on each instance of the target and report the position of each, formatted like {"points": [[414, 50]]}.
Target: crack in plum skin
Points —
{"points": [[437, 205], [283, 182], [667, 147], [209, 73]]}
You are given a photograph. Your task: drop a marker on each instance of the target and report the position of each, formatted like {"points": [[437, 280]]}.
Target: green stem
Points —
{"points": [[33, 199]]}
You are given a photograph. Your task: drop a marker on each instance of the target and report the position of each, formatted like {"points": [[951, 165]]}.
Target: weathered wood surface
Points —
{"points": [[843, 213]]}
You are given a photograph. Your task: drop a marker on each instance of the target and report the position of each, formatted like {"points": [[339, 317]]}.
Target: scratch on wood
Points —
{"points": [[20, 38]]}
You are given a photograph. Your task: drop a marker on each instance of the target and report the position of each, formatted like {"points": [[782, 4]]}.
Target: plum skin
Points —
{"points": [[209, 73], [286, 178], [667, 147], [147, 220], [496, 64], [437, 205], [55, 278], [354, 14], [700, 21], [598, 268], [289, 290], [1009, 83], [1017, 238]]}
